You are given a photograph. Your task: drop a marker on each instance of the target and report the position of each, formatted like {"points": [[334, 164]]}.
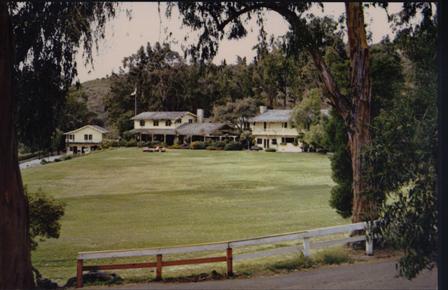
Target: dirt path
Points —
{"points": [[377, 275]]}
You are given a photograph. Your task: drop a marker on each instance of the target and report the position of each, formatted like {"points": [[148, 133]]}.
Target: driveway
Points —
{"points": [[374, 275], [36, 162]]}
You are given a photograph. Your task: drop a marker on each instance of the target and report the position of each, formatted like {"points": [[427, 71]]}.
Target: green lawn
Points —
{"points": [[124, 198]]}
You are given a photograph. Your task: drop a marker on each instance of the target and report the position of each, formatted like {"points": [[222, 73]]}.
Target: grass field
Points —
{"points": [[124, 198]]}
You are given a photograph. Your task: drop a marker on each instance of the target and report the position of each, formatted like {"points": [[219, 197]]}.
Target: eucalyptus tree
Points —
{"points": [[306, 33], [39, 43]]}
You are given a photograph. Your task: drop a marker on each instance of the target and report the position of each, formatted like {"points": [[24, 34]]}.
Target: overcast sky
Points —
{"points": [[124, 36]]}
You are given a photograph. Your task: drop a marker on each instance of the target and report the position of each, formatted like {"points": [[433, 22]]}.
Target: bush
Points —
{"points": [[68, 157], [218, 144], [115, 143], [122, 143], [176, 146], [131, 143], [57, 160], [233, 146], [44, 161], [26, 156], [106, 144], [270, 150], [44, 214], [213, 148], [198, 145]]}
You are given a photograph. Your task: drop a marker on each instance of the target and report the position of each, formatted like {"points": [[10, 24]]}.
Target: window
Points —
{"points": [[168, 123], [259, 141], [156, 123], [86, 137], [142, 123], [190, 121], [265, 125], [90, 136], [285, 125], [178, 121], [289, 140], [274, 141]]}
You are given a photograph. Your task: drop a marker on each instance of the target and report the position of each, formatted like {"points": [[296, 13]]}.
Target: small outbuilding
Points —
{"points": [[84, 139]]}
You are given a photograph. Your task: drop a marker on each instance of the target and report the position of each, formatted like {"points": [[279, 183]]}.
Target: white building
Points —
{"points": [[84, 139], [274, 129]]}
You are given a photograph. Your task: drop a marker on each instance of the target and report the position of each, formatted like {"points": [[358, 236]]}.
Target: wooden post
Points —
{"points": [[229, 262], [79, 282], [306, 247], [159, 268]]}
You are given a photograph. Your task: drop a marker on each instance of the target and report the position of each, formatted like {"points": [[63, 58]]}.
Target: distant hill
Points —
{"points": [[96, 91]]}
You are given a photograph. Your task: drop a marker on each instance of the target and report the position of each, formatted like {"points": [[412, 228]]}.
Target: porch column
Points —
{"points": [[164, 138]]}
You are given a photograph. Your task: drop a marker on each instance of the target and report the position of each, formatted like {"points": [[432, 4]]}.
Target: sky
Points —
{"points": [[124, 36]]}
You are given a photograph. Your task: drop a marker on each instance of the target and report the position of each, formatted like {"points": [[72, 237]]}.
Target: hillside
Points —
{"points": [[96, 91]]}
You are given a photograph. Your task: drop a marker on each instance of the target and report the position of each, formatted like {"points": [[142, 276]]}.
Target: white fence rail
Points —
{"points": [[303, 236]]}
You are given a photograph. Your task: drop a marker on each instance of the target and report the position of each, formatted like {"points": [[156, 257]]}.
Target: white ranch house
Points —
{"points": [[179, 127], [274, 129], [84, 139]]}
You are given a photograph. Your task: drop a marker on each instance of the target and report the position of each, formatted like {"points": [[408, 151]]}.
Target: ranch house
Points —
{"points": [[274, 129], [84, 139], [179, 127]]}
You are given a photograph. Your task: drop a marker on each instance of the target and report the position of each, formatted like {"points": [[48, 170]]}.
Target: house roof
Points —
{"points": [[155, 131], [161, 115], [273, 116], [200, 129], [95, 127]]}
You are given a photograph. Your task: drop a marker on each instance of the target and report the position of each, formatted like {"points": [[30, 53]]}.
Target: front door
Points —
{"points": [[265, 143]]}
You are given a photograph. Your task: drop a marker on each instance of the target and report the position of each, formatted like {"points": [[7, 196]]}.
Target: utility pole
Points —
{"points": [[134, 94]]}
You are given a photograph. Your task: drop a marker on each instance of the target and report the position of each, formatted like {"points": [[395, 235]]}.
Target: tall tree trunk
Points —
{"points": [[359, 121], [15, 255]]}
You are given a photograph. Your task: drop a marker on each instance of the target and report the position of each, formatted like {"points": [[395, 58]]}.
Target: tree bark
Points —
{"points": [[15, 254], [358, 122]]}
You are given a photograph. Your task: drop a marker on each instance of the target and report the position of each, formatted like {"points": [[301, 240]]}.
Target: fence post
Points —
{"points": [[229, 262], [306, 247], [369, 238], [79, 266], [159, 268]]}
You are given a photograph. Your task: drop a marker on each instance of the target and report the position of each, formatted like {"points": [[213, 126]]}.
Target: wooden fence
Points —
{"points": [[227, 247]]}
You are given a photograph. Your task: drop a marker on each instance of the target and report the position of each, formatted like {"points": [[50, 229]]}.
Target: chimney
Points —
{"points": [[200, 114], [263, 109]]}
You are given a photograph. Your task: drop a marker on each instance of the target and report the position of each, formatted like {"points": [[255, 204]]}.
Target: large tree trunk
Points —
{"points": [[15, 255], [359, 121]]}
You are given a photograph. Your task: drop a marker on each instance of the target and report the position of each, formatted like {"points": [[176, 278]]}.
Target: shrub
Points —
{"points": [[44, 161], [122, 143], [198, 145], [57, 160], [233, 146], [68, 157], [212, 148], [115, 143], [270, 150], [218, 144], [106, 144], [44, 214], [131, 143], [176, 146], [26, 156]]}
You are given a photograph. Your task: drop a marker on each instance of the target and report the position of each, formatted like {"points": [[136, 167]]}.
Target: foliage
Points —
{"points": [[198, 145], [47, 38], [270, 150], [233, 146], [44, 214], [307, 112], [402, 157], [236, 113]]}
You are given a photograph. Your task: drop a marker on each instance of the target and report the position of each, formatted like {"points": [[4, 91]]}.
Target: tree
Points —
{"points": [[34, 35], [236, 113], [311, 36], [402, 159]]}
